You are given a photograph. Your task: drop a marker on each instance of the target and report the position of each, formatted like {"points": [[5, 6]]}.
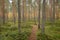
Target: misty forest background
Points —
{"points": [[18, 16]]}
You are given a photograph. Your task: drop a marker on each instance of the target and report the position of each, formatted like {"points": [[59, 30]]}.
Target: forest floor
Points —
{"points": [[29, 31], [33, 35]]}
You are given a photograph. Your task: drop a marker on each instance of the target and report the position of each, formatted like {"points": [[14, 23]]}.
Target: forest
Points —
{"points": [[29, 19]]}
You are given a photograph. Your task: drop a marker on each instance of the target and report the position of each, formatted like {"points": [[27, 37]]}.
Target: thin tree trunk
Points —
{"points": [[19, 16], [39, 15], [43, 21], [0, 12], [29, 12], [53, 11], [14, 11], [34, 16], [23, 10], [43, 17], [50, 11], [57, 10], [3, 10], [7, 9]]}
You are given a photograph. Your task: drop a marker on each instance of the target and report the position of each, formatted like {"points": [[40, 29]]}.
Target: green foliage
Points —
{"points": [[45, 37], [9, 31], [52, 32], [15, 36]]}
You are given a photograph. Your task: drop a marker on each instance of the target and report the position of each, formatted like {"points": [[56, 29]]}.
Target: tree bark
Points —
{"points": [[39, 15], [3, 10], [43, 18], [14, 11], [19, 16], [53, 11], [23, 10]]}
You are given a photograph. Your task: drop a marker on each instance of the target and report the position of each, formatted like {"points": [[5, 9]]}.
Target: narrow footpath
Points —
{"points": [[33, 35]]}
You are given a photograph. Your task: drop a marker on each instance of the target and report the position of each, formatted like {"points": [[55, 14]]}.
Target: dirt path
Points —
{"points": [[33, 33]]}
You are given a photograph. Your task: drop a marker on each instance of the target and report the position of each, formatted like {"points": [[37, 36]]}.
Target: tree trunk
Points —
{"points": [[53, 11], [43, 20], [14, 11], [57, 9], [50, 11], [19, 16], [3, 10], [39, 15], [23, 10], [34, 15]]}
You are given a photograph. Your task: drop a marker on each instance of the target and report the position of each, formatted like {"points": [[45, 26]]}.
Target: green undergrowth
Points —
{"points": [[52, 32], [9, 31]]}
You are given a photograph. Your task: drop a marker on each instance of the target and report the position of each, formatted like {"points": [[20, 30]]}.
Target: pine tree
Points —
{"points": [[43, 20], [14, 10], [39, 14], [3, 10], [19, 16]]}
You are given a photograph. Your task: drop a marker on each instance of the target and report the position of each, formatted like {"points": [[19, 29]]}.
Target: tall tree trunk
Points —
{"points": [[7, 9], [23, 10], [43, 20], [28, 10], [19, 16], [53, 11], [43, 17], [50, 12], [0, 12], [57, 9], [3, 10], [34, 15], [39, 14], [14, 11]]}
